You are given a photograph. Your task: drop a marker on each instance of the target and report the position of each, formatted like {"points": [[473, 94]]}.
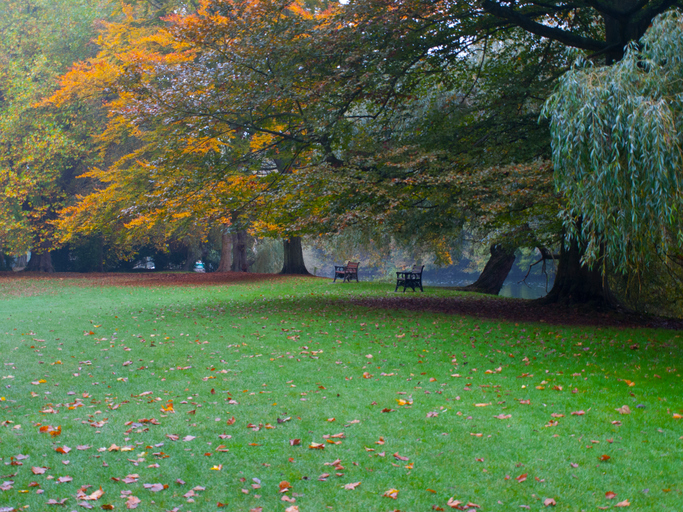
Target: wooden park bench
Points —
{"points": [[346, 272], [410, 278]]}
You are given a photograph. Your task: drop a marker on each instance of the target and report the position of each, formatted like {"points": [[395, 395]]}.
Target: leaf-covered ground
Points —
{"points": [[176, 392]]}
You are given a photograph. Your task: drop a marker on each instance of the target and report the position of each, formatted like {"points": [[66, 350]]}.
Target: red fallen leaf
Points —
{"points": [[231, 421], [549, 502], [578, 413], [604, 458], [624, 503], [107, 507], [284, 486], [525, 402], [437, 508], [295, 442], [400, 457], [473, 505], [431, 490], [63, 449], [221, 505], [386, 409], [521, 478], [610, 495]]}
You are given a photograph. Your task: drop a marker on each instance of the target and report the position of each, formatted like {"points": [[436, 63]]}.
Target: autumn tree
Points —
{"points": [[41, 148]]}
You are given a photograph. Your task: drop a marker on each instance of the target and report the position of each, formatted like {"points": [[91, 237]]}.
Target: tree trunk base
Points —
{"points": [[294, 258], [495, 272], [576, 284], [40, 263]]}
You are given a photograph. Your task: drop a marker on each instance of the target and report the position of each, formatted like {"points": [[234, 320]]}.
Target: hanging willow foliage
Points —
{"points": [[617, 150]]}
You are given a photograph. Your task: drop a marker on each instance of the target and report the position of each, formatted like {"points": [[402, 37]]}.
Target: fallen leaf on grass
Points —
{"points": [[295, 442], [38, 470], [624, 503], [55, 502], [624, 409], [578, 413], [316, 446], [521, 478], [132, 502], [502, 416], [155, 487], [604, 458], [610, 495], [549, 502], [400, 457], [391, 493], [351, 487], [64, 479]]}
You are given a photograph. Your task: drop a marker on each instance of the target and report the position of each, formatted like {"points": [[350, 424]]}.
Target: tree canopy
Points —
{"points": [[617, 150]]}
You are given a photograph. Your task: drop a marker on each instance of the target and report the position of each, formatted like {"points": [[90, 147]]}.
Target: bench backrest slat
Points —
{"points": [[351, 265]]}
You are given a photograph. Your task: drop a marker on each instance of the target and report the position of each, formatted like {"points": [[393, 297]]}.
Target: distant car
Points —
{"points": [[199, 267]]}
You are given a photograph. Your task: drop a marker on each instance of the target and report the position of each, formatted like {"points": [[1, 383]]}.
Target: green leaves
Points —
{"points": [[617, 150]]}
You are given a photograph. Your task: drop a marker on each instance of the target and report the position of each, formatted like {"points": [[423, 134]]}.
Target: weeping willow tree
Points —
{"points": [[617, 148]]}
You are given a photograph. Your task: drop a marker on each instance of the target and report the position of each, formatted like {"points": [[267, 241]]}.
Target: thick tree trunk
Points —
{"points": [[577, 284], [294, 257], [40, 263], [226, 251], [239, 251], [495, 272]]}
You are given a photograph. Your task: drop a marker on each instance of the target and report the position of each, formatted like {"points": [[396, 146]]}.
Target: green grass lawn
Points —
{"points": [[224, 395]]}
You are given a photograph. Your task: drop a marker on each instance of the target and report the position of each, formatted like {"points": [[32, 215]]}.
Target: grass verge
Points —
{"points": [[194, 398]]}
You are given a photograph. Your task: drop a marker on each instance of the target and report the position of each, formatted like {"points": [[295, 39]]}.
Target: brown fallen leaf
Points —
{"points": [[400, 457], [316, 446], [502, 416], [38, 470], [155, 487], [295, 442], [453, 503], [352, 486], [549, 502], [64, 479], [293, 508], [55, 502], [610, 495], [521, 478], [624, 503], [391, 493], [386, 409], [288, 499], [624, 409], [132, 502], [96, 495], [604, 458]]}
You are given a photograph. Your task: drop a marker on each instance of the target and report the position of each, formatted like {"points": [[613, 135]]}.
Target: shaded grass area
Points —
{"points": [[302, 359]]}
